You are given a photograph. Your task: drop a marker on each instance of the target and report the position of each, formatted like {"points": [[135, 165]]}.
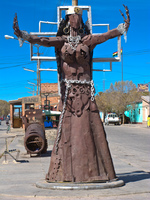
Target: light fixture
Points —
{"points": [[30, 70], [31, 83], [7, 37]]}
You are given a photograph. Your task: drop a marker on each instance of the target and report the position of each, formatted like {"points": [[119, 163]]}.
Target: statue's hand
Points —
{"points": [[17, 31], [22, 35], [127, 21]]}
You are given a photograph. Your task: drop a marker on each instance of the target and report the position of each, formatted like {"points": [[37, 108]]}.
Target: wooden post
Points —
{"points": [[74, 2]]}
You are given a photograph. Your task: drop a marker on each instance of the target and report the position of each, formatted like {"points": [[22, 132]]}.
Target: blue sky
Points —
{"points": [[136, 52]]}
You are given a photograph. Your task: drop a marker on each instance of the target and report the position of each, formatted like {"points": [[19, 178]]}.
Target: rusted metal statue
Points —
{"points": [[81, 152], [35, 141]]}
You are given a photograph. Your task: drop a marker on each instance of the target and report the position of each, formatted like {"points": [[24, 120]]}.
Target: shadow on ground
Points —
{"points": [[134, 176]]}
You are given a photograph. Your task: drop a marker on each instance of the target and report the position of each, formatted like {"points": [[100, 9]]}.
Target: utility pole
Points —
{"points": [[33, 85], [39, 81], [38, 91], [149, 96], [103, 81], [74, 2], [38, 66], [33, 90], [122, 68]]}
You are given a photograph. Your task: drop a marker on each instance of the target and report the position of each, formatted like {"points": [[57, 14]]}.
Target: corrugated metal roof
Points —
{"points": [[16, 102], [146, 98]]}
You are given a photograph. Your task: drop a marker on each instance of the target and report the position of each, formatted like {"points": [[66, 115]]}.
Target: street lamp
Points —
{"points": [[7, 37], [33, 84], [21, 41], [28, 88], [30, 70]]}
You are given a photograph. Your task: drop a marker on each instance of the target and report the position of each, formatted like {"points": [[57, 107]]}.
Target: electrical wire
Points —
{"points": [[139, 52], [13, 83], [46, 50], [17, 65]]}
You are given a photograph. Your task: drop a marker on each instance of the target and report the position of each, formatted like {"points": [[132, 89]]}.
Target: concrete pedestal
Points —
{"points": [[79, 186]]}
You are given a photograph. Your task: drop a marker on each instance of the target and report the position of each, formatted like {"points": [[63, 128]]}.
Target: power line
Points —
{"points": [[15, 93], [133, 53], [15, 62], [139, 52], [15, 82], [131, 73], [12, 56], [17, 65], [13, 86]]}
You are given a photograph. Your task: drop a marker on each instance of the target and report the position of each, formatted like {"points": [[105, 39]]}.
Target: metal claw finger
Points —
{"points": [[122, 15], [127, 13], [126, 8]]}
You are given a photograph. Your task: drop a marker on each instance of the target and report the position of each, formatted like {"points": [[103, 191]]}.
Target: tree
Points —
{"points": [[118, 97], [4, 108]]}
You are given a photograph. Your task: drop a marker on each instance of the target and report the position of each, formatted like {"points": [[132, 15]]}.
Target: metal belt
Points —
{"points": [[68, 85]]}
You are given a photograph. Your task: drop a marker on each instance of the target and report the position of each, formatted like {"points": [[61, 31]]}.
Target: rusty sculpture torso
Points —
{"points": [[81, 152]]}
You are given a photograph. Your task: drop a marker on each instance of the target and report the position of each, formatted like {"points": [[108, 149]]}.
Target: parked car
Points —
{"points": [[112, 118]]}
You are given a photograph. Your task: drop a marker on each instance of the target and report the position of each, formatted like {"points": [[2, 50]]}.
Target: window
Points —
{"points": [[27, 106]]}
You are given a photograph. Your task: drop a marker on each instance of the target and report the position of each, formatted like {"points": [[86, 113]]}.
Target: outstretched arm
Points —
{"points": [[47, 41], [93, 40], [43, 41]]}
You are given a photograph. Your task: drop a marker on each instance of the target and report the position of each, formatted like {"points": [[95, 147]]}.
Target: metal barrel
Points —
{"points": [[35, 141]]}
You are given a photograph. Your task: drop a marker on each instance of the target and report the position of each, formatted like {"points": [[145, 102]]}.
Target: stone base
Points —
{"points": [[79, 186]]}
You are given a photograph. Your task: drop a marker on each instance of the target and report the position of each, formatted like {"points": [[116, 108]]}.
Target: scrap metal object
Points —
{"points": [[35, 141]]}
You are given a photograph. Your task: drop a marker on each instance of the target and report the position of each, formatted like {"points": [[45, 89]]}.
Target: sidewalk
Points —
{"points": [[18, 180], [136, 125]]}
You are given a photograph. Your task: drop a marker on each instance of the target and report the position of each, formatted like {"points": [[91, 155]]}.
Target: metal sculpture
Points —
{"points": [[35, 141], [81, 152]]}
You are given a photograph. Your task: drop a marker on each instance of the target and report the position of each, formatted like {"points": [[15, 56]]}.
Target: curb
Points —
{"points": [[79, 186]]}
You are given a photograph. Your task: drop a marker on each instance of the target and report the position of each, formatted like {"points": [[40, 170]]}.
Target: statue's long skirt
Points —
{"points": [[83, 153]]}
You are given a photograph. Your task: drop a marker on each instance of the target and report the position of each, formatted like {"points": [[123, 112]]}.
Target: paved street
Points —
{"points": [[130, 143], [129, 146], [3, 136]]}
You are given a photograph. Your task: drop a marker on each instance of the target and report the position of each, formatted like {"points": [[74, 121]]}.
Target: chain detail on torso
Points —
{"points": [[68, 85], [74, 41]]}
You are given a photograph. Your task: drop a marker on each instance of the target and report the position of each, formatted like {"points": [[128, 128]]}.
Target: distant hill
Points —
{"points": [[4, 108]]}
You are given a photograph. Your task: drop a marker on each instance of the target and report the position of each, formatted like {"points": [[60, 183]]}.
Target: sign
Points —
{"points": [[30, 99], [142, 87]]}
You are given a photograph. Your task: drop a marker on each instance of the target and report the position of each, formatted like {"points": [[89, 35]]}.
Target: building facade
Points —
{"points": [[18, 107], [146, 107], [50, 91], [139, 112]]}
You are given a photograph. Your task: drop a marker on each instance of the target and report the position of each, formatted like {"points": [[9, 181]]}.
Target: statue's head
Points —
{"points": [[73, 10], [75, 16]]}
